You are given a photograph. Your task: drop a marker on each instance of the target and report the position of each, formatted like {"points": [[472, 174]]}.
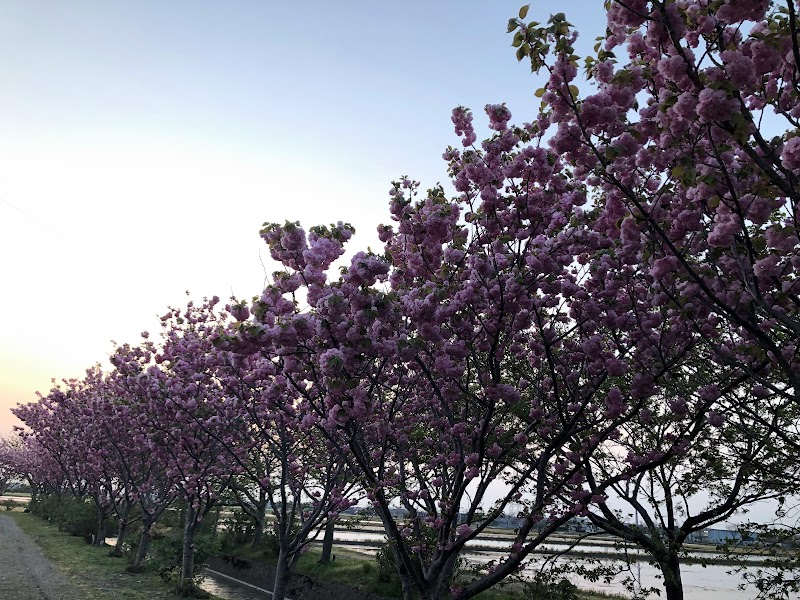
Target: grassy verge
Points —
{"points": [[102, 577], [350, 568], [96, 574]]}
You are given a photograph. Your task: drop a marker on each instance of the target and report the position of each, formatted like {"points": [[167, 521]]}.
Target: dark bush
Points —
{"points": [[239, 530], [78, 517], [166, 553], [385, 560], [548, 589]]}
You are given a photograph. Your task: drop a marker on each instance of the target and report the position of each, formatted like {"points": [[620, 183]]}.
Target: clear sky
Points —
{"points": [[144, 143]]}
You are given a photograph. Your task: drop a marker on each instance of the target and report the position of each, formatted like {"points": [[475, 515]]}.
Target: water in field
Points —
{"points": [[231, 589], [700, 583]]}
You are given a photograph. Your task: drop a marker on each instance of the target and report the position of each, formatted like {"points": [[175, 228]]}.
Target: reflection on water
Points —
{"points": [[230, 589], [604, 545], [699, 583]]}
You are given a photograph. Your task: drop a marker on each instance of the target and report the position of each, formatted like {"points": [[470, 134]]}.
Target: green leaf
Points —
{"points": [[573, 89], [512, 25], [740, 127], [523, 12], [518, 39], [539, 93], [759, 244]]}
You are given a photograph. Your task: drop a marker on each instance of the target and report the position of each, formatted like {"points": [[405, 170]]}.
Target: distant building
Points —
{"points": [[721, 536], [400, 513], [505, 522]]}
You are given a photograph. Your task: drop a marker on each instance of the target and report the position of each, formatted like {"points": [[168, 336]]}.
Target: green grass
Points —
{"points": [[102, 577], [93, 572], [350, 568]]}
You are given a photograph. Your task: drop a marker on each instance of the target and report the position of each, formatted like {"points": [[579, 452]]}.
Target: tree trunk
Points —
{"points": [[327, 543], [144, 544], [123, 532], [124, 524], [671, 569], [187, 563], [215, 529], [281, 575], [406, 584], [100, 536], [258, 534], [259, 518], [446, 578]]}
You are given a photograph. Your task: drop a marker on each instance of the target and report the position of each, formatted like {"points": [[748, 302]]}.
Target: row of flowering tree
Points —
{"points": [[179, 421], [604, 311]]}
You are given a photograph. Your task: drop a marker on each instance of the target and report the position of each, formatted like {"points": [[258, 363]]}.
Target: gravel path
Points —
{"points": [[25, 574]]}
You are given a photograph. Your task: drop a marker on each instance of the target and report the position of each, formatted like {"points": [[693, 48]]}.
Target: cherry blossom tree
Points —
{"points": [[725, 467], [303, 479], [183, 416], [690, 146], [73, 424], [779, 575], [62, 426], [32, 464], [50, 430], [7, 464], [688, 149], [117, 441], [102, 435], [497, 338], [130, 390]]}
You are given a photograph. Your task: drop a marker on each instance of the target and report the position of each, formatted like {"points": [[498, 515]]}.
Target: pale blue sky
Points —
{"points": [[372, 82]]}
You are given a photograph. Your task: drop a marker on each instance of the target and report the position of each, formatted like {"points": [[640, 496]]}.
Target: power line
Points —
{"points": [[17, 208]]}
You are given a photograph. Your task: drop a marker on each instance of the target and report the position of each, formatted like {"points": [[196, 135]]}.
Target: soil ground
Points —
{"points": [[25, 574]]}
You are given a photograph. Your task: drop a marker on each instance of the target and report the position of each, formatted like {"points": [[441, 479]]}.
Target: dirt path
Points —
{"points": [[25, 574]]}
